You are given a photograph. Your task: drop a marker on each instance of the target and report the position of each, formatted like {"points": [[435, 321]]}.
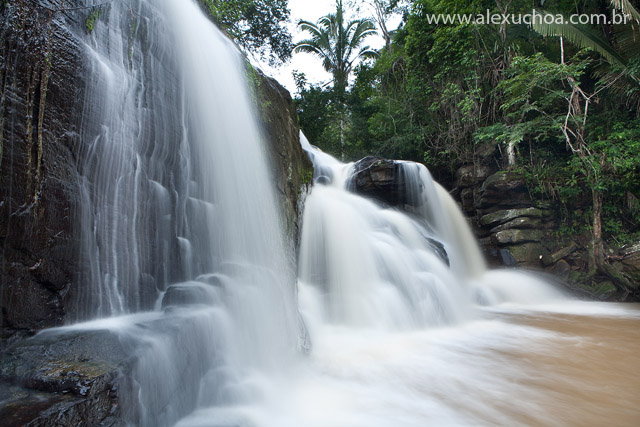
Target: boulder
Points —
{"points": [[502, 216], [631, 256], [382, 180], [64, 378], [189, 293], [518, 236], [561, 269], [470, 175], [503, 189], [504, 181], [521, 223], [528, 254], [466, 200]]}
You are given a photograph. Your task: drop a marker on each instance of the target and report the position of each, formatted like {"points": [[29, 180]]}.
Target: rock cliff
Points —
{"points": [[42, 72], [41, 78], [515, 230], [42, 81]]}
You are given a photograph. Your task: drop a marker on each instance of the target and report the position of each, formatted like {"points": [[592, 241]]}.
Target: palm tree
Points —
{"points": [[339, 45]]}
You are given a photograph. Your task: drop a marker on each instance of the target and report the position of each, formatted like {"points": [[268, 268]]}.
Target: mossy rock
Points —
{"points": [[503, 216], [601, 290], [505, 237], [527, 253], [503, 181], [521, 223]]}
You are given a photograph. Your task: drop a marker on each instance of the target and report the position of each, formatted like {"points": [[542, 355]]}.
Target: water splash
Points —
{"points": [[180, 214], [179, 203]]}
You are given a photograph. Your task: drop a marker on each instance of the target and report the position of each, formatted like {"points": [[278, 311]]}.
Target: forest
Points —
{"points": [[559, 101], [558, 97]]}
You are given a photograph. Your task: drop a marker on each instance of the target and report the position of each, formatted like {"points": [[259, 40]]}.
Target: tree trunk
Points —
{"points": [[598, 249], [597, 260], [511, 155], [342, 143]]}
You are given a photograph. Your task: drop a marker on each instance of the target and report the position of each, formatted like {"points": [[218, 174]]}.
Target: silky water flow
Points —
{"points": [[392, 319]]}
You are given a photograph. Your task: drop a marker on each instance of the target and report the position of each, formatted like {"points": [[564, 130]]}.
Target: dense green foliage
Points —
{"points": [[565, 115], [256, 25]]}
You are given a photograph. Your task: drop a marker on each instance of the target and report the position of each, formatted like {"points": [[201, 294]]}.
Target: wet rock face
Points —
{"points": [[503, 189], [516, 231], [40, 85], [42, 81], [292, 168], [470, 175], [382, 180], [64, 379]]}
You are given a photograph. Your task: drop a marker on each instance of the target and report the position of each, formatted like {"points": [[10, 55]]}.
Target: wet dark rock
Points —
{"points": [[65, 378], [439, 250], [503, 216], [492, 194], [507, 258], [382, 180], [322, 180], [41, 76], [471, 175], [518, 236], [293, 170], [529, 254], [23, 407], [189, 293]]}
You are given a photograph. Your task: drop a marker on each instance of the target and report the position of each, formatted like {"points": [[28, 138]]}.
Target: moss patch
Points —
{"points": [[90, 22]]}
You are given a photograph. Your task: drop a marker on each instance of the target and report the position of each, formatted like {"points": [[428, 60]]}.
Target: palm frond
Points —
{"points": [[368, 53], [580, 36], [626, 8], [363, 29], [335, 42], [627, 40]]}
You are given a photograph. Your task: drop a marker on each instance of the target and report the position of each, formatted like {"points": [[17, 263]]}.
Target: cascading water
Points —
{"points": [[179, 214], [179, 199]]}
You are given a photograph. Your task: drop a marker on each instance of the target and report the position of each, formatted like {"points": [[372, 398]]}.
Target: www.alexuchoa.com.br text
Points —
{"points": [[535, 17]]}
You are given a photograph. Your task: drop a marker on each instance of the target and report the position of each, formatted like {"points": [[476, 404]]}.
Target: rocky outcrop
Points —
{"points": [[64, 379], [514, 231], [293, 170], [40, 86], [382, 180], [42, 71], [75, 378], [189, 293], [510, 227]]}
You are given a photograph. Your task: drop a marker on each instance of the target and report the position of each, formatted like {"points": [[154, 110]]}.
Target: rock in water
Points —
{"points": [[383, 180], [64, 378]]}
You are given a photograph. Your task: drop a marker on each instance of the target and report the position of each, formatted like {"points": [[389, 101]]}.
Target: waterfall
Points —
{"points": [[179, 206], [184, 254], [176, 178]]}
